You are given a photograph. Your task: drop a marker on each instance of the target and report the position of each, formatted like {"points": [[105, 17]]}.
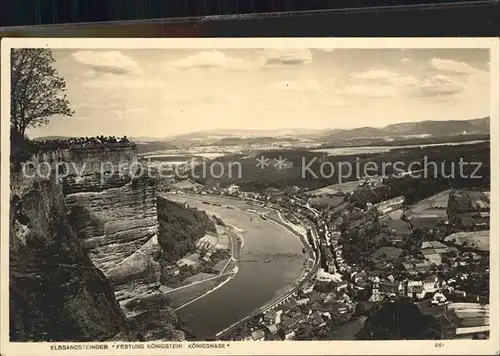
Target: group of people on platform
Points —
{"points": [[81, 142]]}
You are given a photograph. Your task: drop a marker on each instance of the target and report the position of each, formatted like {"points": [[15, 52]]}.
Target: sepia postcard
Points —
{"points": [[250, 196]]}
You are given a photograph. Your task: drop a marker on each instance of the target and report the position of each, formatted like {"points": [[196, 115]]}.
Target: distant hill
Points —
{"points": [[254, 178], [405, 140], [432, 128], [144, 147], [234, 141], [246, 133], [346, 134], [219, 136], [147, 139], [440, 128]]}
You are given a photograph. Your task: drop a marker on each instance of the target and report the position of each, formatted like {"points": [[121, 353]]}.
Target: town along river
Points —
{"points": [[271, 262]]}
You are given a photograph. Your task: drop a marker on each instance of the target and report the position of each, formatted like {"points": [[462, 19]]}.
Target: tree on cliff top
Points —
{"points": [[37, 89]]}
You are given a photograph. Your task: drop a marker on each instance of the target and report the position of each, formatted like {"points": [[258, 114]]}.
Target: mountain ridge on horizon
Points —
{"points": [[428, 127], [409, 126]]}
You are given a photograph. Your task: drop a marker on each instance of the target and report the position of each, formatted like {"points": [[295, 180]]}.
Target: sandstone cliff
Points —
{"points": [[110, 216], [114, 214], [113, 223], [56, 293]]}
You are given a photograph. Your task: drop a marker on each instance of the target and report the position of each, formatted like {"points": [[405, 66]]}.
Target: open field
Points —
{"points": [[380, 145], [477, 239], [440, 213], [433, 203], [327, 201], [345, 188]]}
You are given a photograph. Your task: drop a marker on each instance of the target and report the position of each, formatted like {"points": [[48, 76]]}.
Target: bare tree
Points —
{"points": [[37, 90]]}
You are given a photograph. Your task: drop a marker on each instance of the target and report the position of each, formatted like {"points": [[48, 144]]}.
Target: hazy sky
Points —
{"points": [[166, 92]]}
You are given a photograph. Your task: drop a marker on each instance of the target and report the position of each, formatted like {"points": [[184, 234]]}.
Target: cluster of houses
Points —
{"points": [[421, 280], [205, 248], [416, 289], [305, 310], [331, 295]]}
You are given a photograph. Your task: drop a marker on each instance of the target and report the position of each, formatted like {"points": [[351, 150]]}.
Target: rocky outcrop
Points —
{"points": [[114, 223], [115, 219], [114, 215], [86, 256], [56, 293]]}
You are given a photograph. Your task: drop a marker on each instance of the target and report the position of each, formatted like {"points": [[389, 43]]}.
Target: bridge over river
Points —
{"points": [[272, 262]]}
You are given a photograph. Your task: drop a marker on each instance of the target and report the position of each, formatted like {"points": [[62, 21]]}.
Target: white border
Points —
{"points": [[455, 347]]}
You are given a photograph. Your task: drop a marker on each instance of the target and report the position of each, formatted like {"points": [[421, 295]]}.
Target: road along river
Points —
{"points": [[270, 264]]}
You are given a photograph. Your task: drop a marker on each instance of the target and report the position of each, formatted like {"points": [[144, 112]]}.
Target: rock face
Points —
{"points": [[116, 222], [114, 215], [85, 254], [56, 293]]}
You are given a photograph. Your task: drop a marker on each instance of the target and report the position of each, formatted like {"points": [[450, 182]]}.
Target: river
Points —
{"points": [[256, 283]]}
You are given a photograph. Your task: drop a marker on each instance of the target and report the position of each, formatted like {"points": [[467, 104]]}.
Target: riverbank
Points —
{"points": [[212, 289], [283, 295], [184, 295], [257, 281], [202, 288]]}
